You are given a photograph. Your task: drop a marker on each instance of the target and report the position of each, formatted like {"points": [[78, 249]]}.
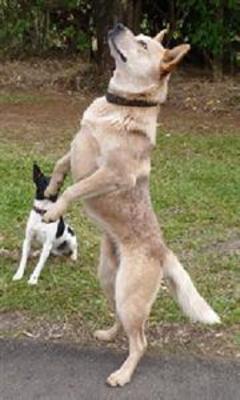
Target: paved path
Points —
{"points": [[36, 371]]}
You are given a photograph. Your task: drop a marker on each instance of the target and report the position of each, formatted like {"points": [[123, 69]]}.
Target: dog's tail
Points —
{"points": [[187, 296]]}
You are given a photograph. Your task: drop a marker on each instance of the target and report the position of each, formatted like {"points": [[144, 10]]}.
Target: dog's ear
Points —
{"points": [[159, 37], [172, 57], [37, 173]]}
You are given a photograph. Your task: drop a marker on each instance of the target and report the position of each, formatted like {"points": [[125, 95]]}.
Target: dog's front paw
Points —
{"points": [[55, 212], [33, 280], [50, 216], [50, 191], [18, 276]]}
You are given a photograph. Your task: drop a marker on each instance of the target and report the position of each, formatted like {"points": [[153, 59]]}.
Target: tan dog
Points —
{"points": [[110, 164]]}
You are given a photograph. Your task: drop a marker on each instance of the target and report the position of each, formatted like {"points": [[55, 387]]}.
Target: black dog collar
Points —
{"points": [[40, 211], [122, 101]]}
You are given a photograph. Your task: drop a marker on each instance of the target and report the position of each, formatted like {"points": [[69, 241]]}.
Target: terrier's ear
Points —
{"points": [[159, 37], [172, 57], [37, 173]]}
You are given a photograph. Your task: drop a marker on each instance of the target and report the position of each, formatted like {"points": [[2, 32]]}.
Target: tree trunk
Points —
{"points": [[172, 18], [109, 12], [131, 14], [218, 56], [103, 18]]}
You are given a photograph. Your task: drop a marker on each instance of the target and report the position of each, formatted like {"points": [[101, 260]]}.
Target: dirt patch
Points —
{"points": [[48, 121], [196, 339], [199, 105], [12, 254], [164, 338], [229, 246], [43, 100], [36, 73], [11, 321]]}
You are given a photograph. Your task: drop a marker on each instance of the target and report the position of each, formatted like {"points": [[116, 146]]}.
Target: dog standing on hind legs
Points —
{"points": [[57, 238], [110, 164]]}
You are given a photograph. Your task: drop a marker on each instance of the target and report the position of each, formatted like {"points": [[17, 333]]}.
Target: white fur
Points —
{"points": [[192, 304], [46, 235]]}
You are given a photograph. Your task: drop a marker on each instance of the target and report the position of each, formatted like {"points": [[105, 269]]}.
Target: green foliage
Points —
{"points": [[37, 26], [212, 27]]}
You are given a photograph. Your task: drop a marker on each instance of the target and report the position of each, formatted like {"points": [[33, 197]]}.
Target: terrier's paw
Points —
{"points": [[33, 280], [18, 276], [74, 257]]}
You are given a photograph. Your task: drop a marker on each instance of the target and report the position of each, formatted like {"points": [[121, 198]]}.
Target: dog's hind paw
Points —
{"points": [[74, 257], [118, 378], [106, 335]]}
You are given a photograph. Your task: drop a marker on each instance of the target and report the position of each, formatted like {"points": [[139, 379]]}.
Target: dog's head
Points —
{"points": [[143, 65], [41, 181]]}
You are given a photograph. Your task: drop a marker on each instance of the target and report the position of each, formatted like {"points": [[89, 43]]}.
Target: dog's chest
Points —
{"points": [[40, 230], [104, 126], [107, 122], [41, 233]]}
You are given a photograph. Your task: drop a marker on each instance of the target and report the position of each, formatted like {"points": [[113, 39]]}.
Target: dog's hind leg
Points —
{"points": [[74, 248], [62, 167], [107, 270], [47, 247], [25, 253], [137, 284]]}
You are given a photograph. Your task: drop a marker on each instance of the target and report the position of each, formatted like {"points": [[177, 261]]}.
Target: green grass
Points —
{"points": [[196, 194]]}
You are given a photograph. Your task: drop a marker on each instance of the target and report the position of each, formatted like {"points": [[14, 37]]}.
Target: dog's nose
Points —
{"points": [[119, 27]]}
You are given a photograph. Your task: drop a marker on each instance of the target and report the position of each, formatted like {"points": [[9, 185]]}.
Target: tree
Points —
{"points": [[39, 26], [106, 13]]}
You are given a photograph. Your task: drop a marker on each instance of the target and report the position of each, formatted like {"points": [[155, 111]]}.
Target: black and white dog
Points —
{"points": [[57, 238]]}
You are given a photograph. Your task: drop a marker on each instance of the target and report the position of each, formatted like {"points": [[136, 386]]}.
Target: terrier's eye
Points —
{"points": [[143, 44]]}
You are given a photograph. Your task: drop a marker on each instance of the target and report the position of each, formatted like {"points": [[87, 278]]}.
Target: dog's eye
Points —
{"points": [[143, 44]]}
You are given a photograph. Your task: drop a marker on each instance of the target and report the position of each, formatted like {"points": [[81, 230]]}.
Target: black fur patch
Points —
{"points": [[63, 245], [60, 228], [41, 181], [70, 230]]}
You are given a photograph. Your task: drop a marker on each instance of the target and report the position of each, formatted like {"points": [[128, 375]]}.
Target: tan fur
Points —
{"points": [[110, 165]]}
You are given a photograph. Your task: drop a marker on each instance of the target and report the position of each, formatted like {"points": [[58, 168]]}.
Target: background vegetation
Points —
{"points": [[66, 26]]}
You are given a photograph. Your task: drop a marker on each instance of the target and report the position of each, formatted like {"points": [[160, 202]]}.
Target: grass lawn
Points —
{"points": [[195, 189]]}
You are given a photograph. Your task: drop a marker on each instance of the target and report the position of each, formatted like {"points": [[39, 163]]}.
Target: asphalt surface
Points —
{"points": [[43, 371]]}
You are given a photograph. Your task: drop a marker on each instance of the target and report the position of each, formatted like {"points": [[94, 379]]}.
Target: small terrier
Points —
{"points": [[57, 237]]}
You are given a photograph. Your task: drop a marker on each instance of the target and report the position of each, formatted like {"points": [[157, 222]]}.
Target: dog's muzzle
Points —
{"points": [[118, 28], [112, 34]]}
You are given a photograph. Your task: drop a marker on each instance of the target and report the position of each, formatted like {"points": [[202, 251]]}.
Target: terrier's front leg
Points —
{"points": [[37, 271], [25, 253]]}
